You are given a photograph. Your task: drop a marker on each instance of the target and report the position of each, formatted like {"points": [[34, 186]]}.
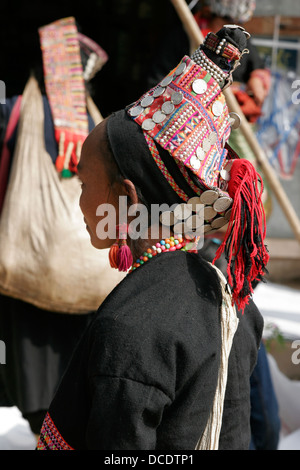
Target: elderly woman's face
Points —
{"points": [[96, 185]]}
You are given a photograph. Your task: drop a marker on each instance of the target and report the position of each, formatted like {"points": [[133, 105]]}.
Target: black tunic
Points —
{"points": [[144, 375]]}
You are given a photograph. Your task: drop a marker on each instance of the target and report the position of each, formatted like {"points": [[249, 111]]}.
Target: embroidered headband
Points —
{"points": [[184, 123]]}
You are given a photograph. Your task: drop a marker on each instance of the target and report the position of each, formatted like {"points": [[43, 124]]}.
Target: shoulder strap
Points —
{"points": [[229, 323]]}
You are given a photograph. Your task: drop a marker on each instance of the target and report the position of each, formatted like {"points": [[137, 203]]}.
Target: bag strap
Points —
{"points": [[229, 323], [5, 155]]}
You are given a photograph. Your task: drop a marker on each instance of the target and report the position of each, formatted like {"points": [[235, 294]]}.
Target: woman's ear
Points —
{"points": [[130, 191]]}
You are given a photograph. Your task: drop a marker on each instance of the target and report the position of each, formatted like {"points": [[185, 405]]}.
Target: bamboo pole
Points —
{"points": [[196, 38]]}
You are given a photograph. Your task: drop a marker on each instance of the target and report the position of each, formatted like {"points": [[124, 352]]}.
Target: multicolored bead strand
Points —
{"points": [[169, 244]]}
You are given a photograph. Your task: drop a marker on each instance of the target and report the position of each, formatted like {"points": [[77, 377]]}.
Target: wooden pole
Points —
{"points": [[196, 38]]}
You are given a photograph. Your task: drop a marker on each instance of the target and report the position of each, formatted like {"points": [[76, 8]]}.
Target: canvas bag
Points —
{"points": [[46, 257]]}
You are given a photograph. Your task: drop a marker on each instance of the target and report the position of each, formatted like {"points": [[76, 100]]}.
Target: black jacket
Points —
{"points": [[144, 375]]}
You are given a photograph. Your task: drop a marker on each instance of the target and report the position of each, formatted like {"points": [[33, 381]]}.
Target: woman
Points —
{"points": [[151, 371]]}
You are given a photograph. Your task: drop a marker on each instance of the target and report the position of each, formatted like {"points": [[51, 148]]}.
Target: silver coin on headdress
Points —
{"points": [[209, 196], [195, 203], [158, 91], [180, 69], [158, 117], [148, 124], [176, 97], [136, 111], [234, 120], [222, 203], [147, 101], [219, 222], [199, 86], [167, 218], [225, 175], [194, 222], [217, 108], [195, 162], [166, 81], [182, 211], [167, 107], [200, 153], [209, 212]]}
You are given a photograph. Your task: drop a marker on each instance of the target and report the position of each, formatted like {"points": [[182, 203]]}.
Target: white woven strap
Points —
{"points": [[229, 323]]}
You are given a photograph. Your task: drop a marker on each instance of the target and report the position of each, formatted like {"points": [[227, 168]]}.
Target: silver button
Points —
{"points": [[195, 163], [213, 137], [219, 222], [158, 92], [222, 203], [166, 81], [209, 212], [199, 86], [178, 228], [228, 165], [180, 69], [206, 144], [168, 107], [147, 101], [195, 203], [176, 97], [207, 228], [182, 212], [225, 175], [228, 214], [167, 218], [209, 196], [234, 120], [148, 125], [200, 153], [217, 108], [194, 222], [158, 117], [136, 111]]}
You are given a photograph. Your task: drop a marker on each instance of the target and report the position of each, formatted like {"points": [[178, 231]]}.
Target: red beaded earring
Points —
{"points": [[120, 256]]}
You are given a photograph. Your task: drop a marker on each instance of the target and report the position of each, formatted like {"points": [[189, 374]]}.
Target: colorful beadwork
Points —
{"points": [[168, 244], [187, 120], [50, 438], [221, 47]]}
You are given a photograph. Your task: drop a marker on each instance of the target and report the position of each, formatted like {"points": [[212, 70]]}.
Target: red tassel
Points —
{"points": [[120, 256], [243, 244], [113, 255]]}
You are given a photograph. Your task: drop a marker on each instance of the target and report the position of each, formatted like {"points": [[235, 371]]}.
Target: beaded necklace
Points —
{"points": [[168, 244]]}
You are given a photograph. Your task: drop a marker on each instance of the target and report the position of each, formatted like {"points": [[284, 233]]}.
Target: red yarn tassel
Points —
{"points": [[113, 255], [124, 257], [243, 244], [120, 256]]}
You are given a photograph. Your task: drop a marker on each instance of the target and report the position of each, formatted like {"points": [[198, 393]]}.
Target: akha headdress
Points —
{"points": [[185, 124]]}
